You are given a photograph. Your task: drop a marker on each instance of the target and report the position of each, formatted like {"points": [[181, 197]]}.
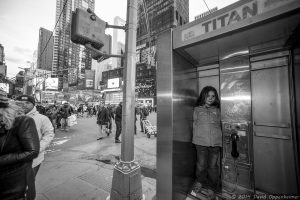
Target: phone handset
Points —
{"points": [[234, 139]]}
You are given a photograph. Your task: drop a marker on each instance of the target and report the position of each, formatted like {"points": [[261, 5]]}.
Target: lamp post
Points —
{"points": [[126, 183]]}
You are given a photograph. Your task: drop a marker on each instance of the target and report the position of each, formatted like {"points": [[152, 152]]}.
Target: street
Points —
{"points": [[77, 166]]}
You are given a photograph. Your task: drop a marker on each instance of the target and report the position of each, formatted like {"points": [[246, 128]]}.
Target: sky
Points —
{"points": [[20, 21]]}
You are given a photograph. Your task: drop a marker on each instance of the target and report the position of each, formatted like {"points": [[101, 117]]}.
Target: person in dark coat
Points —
{"points": [[102, 121], [19, 145], [143, 116], [65, 111], [118, 120], [111, 116]]}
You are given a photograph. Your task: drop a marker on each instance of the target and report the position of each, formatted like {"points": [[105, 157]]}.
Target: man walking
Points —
{"points": [[102, 120], [118, 120], [43, 125], [65, 111], [44, 128], [111, 116], [143, 116]]}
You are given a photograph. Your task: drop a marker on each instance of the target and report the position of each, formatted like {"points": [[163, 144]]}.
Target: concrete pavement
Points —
{"points": [[83, 169]]}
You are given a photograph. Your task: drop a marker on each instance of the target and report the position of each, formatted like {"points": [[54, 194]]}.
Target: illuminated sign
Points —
{"points": [[113, 83], [245, 11], [51, 84], [89, 83]]}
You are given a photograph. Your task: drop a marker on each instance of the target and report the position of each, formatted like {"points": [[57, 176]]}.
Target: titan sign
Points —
{"points": [[248, 10]]}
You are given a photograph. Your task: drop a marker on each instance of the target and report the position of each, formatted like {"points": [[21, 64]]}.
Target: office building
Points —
{"points": [[69, 60], [45, 50], [154, 17], [3, 67]]}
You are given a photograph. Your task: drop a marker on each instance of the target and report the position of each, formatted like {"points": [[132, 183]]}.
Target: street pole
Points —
{"points": [[126, 183]]}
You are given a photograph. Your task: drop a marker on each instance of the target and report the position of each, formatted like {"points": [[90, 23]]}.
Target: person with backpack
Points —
{"points": [[102, 121], [143, 116], [65, 111]]}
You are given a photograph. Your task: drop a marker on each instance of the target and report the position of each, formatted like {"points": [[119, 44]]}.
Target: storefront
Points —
{"points": [[249, 51]]}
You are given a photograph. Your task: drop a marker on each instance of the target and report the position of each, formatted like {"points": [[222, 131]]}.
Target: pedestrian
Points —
{"points": [[65, 111], [118, 121], [102, 121], [52, 115], [43, 125], [135, 118], [111, 116], [143, 116], [19, 146], [207, 137]]}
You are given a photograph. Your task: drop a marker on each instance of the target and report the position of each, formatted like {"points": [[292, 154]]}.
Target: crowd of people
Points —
{"points": [[106, 114], [27, 129]]}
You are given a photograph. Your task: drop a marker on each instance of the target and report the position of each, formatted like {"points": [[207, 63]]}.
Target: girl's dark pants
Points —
{"points": [[207, 171]]}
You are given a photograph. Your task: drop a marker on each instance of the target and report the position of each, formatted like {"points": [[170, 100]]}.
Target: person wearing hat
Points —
{"points": [[19, 145], [43, 125], [65, 111]]}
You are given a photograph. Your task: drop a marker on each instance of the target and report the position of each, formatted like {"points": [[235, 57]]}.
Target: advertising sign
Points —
{"points": [[89, 79], [51, 84], [38, 82], [113, 83], [245, 11], [89, 83]]}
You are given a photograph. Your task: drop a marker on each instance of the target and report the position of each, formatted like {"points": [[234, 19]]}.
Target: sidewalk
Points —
{"points": [[85, 171]]}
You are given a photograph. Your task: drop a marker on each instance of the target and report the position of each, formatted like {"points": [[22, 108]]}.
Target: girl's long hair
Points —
{"points": [[204, 94], [9, 115]]}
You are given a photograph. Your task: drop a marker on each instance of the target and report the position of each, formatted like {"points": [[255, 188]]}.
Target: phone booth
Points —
{"points": [[249, 51]]}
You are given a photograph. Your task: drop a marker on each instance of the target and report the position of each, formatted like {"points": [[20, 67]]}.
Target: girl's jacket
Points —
{"points": [[207, 126]]}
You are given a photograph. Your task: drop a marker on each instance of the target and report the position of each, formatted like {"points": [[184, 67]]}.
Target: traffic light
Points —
{"points": [[86, 28], [106, 49]]}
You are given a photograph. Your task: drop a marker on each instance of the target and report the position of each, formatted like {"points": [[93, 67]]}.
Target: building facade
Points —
{"points": [[1, 54], [69, 60], [154, 17], [3, 67], [45, 50]]}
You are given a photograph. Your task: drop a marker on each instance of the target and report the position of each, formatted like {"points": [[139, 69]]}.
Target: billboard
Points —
{"points": [[113, 83], [51, 84], [38, 83], [89, 79], [89, 83]]}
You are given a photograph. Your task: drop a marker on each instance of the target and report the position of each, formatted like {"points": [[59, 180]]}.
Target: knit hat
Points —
{"points": [[3, 101], [26, 98]]}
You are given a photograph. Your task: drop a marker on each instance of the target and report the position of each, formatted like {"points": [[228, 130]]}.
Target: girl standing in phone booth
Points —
{"points": [[207, 137]]}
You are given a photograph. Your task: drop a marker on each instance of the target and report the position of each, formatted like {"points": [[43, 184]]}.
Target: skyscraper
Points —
{"points": [[154, 17], [161, 15], [69, 60], [1, 54], [3, 67], [45, 50]]}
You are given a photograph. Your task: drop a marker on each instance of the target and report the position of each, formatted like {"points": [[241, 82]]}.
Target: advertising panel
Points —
{"points": [[38, 82], [51, 84], [89, 83], [89, 79], [113, 83], [113, 97]]}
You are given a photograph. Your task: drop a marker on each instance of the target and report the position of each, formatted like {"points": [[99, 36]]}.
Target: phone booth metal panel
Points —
{"points": [[249, 63]]}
